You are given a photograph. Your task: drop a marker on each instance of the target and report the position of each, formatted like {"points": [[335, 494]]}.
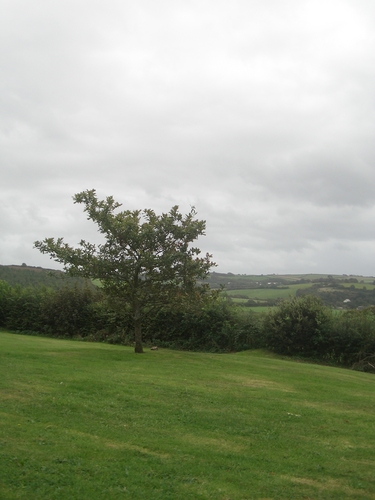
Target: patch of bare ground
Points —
{"points": [[330, 485]]}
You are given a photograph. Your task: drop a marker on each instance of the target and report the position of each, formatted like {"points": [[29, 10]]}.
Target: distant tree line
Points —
{"points": [[301, 326]]}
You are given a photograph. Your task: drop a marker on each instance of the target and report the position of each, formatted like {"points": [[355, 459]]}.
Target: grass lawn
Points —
{"points": [[95, 421]]}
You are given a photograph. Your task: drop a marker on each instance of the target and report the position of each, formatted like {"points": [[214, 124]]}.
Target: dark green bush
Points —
{"points": [[217, 327], [352, 336], [303, 326], [69, 312], [111, 322], [24, 308], [5, 291], [65, 312], [299, 326]]}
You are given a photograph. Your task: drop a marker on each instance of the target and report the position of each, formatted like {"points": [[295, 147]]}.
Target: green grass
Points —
{"points": [[268, 293], [292, 277], [359, 286], [94, 421], [264, 294], [261, 309]]}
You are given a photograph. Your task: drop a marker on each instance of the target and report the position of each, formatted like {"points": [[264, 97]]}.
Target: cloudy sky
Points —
{"points": [[260, 113]]}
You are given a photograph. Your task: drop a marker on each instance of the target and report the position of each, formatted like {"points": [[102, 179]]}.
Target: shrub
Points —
{"points": [[69, 312], [353, 339], [217, 327], [65, 312], [23, 308], [300, 326], [5, 291]]}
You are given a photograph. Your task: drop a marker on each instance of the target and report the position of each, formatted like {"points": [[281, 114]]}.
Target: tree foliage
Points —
{"points": [[146, 261]]}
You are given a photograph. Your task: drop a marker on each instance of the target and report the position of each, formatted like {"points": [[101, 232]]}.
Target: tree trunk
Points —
{"points": [[137, 331]]}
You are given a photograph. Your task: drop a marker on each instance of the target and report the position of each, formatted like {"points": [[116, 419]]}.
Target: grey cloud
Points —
{"points": [[259, 113]]}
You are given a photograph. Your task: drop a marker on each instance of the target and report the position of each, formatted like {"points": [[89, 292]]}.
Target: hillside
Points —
{"points": [[28, 276], [245, 281]]}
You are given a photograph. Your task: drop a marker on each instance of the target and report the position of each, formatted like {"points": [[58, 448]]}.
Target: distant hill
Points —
{"points": [[337, 291], [245, 281], [29, 276]]}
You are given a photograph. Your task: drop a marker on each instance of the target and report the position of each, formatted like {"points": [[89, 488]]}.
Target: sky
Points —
{"points": [[259, 113]]}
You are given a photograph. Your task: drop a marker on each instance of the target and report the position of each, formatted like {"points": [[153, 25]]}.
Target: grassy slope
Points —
{"points": [[96, 421], [268, 293], [27, 276], [277, 293]]}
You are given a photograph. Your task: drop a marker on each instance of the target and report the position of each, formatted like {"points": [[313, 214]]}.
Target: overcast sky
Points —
{"points": [[260, 113]]}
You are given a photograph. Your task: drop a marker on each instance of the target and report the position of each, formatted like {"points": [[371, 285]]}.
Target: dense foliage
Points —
{"points": [[303, 326], [214, 327], [66, 312], [298, 326]]}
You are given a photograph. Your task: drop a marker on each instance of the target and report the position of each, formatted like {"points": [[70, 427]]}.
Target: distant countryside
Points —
{"points": [[258, 292]]}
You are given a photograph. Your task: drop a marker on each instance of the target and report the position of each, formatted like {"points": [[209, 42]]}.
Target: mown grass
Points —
{"points": [[95, 421]]}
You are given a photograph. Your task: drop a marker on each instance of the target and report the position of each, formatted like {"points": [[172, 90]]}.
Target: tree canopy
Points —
{"points": [[146, 261]]}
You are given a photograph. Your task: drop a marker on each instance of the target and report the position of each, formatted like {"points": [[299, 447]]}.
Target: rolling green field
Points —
{"points": [[94, 421], [368, 286], [267, 293], [262, 295], [366, 279]]}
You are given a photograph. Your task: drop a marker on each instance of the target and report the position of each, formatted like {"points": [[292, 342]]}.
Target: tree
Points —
{"points": [[146, 261]]}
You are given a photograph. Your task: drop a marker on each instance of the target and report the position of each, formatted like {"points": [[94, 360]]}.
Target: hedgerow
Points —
{"points": [[300, 326], [303, 326]]}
